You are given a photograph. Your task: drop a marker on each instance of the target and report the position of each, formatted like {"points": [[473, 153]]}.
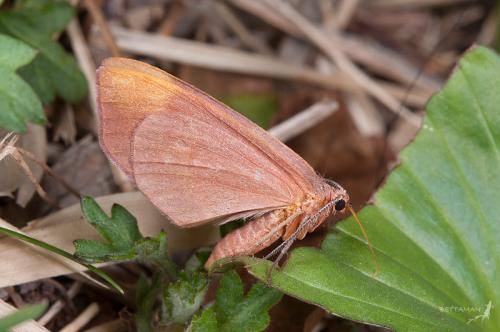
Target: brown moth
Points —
{"points": [[200, 162]]}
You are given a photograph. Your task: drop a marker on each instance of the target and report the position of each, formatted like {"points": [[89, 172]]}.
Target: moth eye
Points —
{"points": [[339, 205]]}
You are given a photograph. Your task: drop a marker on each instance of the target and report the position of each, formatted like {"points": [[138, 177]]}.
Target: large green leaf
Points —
{"points": [[54, 71], [435, 224], [18, 102]]}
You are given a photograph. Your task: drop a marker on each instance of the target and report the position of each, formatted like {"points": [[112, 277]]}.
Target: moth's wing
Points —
{"points": [[127, 91], [195, 158], [196, 170]]}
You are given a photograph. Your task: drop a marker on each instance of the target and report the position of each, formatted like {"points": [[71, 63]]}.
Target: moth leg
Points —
{"points": [[286, 244], [285, 223]]}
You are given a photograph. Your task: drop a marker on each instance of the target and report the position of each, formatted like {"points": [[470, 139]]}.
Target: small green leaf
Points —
{"points": [[21, 315], [120, 232], [155, 251], [183, 298], [18, 103], [54, 71], [260, 108], [233, 311], [434, 224]]}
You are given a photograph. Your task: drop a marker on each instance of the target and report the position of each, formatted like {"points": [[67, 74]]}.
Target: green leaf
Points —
{"points": [[233, 311], [155, 251], [260, 108], [434, 224], [21, 315], [184, 297], [54, 71], [120, 232], [18, 103], [206, 322]]}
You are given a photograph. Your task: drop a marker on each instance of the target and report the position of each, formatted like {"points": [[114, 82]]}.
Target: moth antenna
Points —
{"points": [[370, 246]]}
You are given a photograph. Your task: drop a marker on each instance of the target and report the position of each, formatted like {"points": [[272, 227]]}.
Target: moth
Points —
{"points": [[200, 162]]}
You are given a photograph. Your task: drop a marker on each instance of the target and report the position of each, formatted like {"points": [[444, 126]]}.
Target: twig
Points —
{"points": [[345, 11], [59, 304], [304, 120], [49, 171], [365, 115], [240, 30], [98, 18], [174, 15], [86, 316], [7, 148], [345, 64]]}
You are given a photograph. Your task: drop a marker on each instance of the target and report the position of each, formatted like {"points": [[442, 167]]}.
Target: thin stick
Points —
{"points": [[98, 18], [241, 30], [12, 151], [59, 304], [346, 9], [86, 316], [49, 171], [304, 120]]}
